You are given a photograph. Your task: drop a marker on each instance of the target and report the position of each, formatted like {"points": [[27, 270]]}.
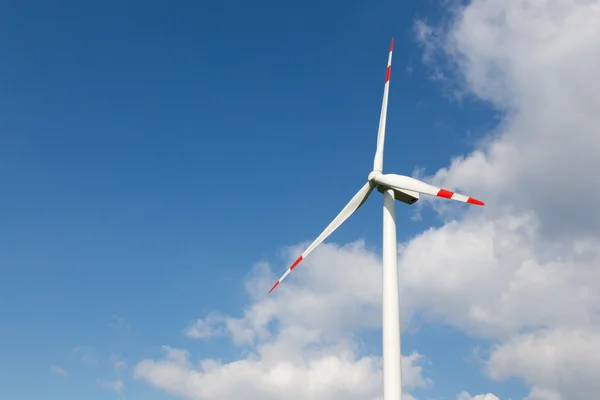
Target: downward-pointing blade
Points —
{"points": [[407, 183], [358, 199]]}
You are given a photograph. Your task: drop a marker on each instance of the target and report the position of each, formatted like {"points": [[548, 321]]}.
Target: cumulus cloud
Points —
{"points": [[535, 62], [543, 394], [299, 341], [467, 396], [491, 278], [554, 361], [326, 375], [206, 327], [525, 271]]}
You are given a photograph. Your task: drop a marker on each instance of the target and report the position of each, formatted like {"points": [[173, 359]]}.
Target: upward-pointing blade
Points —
{"points": [[358, 199], [378, 161], [407, 183]]}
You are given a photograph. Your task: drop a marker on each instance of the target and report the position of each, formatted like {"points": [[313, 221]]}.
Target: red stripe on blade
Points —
{"points": [[475, 201], [392, 44], [296, 263], [274, 286], [387, 74], [445, 193]]}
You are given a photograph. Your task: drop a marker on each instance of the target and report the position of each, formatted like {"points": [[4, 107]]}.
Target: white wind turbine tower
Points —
{"points": [[394, 187]]}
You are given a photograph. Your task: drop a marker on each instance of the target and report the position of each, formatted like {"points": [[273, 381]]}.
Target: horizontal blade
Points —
{"points": [[407, 183], [358, 200]]}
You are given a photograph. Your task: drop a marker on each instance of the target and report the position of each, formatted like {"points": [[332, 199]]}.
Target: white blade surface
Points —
{"points": [[408, 183], [378, 161], [358, 199]]}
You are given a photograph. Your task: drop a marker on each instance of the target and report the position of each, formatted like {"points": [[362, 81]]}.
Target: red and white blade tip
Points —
{"points": [[389, 66], [455, 196], [287, 272]]}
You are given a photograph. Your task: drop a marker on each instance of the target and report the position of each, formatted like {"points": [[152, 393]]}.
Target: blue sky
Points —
{"points": [[151, 154]]}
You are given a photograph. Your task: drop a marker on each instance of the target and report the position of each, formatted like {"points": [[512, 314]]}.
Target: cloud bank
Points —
{"points": [[526, 270], [300, 341]]}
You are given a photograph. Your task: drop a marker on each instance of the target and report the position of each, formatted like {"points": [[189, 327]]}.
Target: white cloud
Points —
{"points": [[535, 61], [206, 327], [59, 371], [467, 396], [543, 394], [321, 374], [427, 38], [492, 277], [525, 270], [293, 345], [559, 361]]}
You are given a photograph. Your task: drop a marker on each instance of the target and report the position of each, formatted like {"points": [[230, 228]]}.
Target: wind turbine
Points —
{"points": [[393, 187]]}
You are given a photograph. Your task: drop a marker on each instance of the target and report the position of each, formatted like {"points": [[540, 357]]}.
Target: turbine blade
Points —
{"points": [[378, 161], [357, 201], [403, 182]]}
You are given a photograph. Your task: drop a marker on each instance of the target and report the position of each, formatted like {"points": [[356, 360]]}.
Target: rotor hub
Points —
{"points": [[373, 175]]}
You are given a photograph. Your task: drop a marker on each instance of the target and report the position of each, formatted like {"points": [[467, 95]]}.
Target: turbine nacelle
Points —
{"points": [[404, 195]]}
